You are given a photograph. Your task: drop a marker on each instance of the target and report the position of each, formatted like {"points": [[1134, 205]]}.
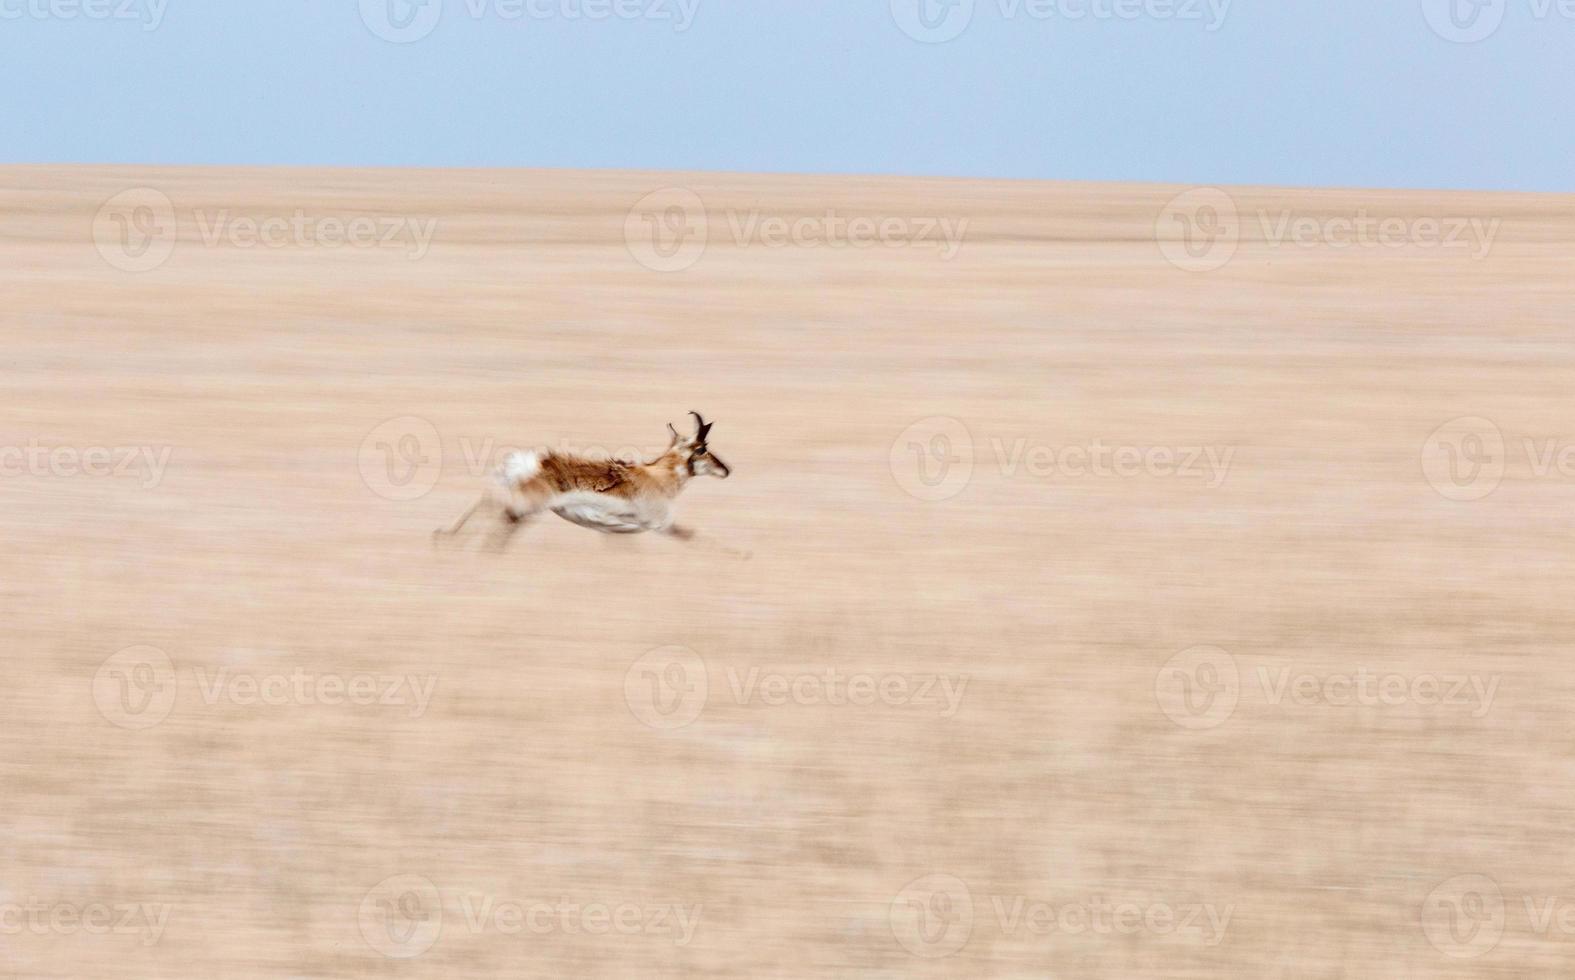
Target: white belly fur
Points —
{"points": [[606, 513]]}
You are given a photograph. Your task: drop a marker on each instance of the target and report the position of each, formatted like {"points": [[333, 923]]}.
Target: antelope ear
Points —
{"points": [[675, 435]]}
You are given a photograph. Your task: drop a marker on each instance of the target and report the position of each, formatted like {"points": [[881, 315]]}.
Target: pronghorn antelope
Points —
{"points": [[612, 496]]}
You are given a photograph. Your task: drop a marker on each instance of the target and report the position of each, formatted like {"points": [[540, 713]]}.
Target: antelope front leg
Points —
{"points": [[685, 534], [676, 531]]}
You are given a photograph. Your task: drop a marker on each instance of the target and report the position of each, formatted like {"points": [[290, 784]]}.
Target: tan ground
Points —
{"points": [[1068, 815]]}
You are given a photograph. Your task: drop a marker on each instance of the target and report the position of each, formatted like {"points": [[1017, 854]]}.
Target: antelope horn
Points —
{"points": [[702, 427]]}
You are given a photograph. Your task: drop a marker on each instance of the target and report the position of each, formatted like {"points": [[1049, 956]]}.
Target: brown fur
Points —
{"points": [[562, 473], [650, 486]]}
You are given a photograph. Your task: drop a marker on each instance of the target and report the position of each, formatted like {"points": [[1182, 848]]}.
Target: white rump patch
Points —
{"points": [[520, 467]]}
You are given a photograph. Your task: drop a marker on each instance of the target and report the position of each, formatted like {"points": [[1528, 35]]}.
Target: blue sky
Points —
{"points": [[1392, 93]]}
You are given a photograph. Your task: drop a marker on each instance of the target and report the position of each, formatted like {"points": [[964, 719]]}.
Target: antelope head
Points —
{"points": [[693, 453]]}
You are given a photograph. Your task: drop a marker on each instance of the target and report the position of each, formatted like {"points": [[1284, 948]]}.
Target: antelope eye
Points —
{"points": [[700, 451]]}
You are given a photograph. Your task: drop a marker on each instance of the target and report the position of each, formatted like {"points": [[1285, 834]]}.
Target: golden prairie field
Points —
{"points": [[1113, 582]]}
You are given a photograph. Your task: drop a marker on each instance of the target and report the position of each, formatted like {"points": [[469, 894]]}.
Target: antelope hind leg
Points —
{"points": [[510, 520], [449, 532]]}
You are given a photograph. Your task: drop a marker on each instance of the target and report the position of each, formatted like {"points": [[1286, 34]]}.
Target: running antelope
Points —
{"points": [[612, 496]]}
